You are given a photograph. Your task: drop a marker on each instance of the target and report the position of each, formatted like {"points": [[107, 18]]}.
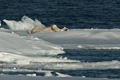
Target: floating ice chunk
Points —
{"points": [[83, 76], [79, 46], [48, 73], [62, 75], [31, 75], [26, 23]]}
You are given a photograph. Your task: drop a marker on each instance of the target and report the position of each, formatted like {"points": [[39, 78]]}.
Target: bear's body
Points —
{"points": [[52, 28]]}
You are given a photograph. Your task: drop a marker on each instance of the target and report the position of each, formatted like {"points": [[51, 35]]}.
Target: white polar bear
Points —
{"points": [[52, 28]]}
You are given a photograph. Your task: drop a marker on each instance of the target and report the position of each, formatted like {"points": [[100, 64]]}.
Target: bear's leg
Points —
{"points": [[36, 29], [55, 28], [29, 31]]}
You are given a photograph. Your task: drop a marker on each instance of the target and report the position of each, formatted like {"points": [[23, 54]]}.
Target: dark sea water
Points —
{"points": [[74, 14], [94, 56], [70, 13]]}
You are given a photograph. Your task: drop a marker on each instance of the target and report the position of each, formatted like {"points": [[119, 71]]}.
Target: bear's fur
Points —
{"points": [[52, 28]]}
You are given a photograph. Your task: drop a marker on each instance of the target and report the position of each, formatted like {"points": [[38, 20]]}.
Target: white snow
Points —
{"points": [[16, 44], [82, 38], [26, 23]]}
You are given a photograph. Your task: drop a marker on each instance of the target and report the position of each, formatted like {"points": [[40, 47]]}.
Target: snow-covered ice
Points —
{"points": [[13, 43], [18, 49], [82, 38], [23, 24]]}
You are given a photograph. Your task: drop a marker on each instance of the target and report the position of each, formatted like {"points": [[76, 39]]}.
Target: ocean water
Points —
{"points": [[70, 13], [74, 14], [94, 56]]}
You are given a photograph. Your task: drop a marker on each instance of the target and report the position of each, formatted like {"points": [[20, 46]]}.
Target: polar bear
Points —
{"points": [[52, 28]]}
